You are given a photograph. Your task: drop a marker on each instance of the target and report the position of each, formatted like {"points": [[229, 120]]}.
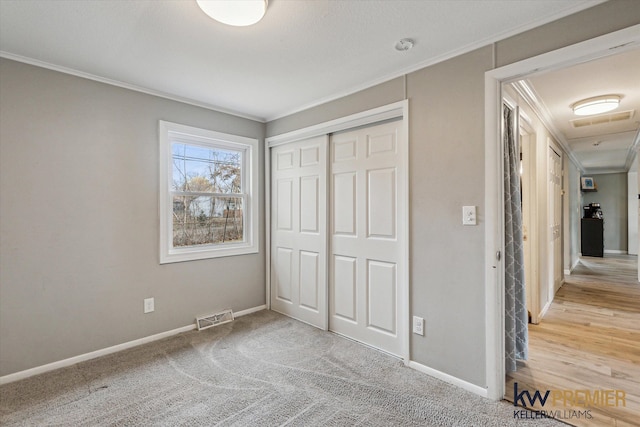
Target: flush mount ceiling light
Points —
{"points": [[596, 105], [239, 13]]}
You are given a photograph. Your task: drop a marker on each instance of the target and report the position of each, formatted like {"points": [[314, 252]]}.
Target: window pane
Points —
{"points": [[206, 220], [201, 169]]}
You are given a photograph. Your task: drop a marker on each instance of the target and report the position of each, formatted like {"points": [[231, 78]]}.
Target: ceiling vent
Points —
{"points": [[603, 119]]}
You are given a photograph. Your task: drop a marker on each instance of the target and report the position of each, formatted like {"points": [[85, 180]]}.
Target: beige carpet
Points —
{"points": [[260, 370]]}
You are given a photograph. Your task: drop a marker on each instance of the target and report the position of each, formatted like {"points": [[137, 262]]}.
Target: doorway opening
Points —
{"points": [[621, 41], [564, 334]]}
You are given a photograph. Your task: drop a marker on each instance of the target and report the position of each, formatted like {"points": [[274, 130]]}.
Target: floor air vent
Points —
{"points": [[205, 322]]}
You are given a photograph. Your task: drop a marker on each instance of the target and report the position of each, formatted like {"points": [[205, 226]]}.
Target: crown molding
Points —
{"points": [[135, 88], [526, 91]]}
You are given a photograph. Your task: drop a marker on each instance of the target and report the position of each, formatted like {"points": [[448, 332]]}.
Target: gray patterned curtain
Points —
{"points": [[516, 317]]}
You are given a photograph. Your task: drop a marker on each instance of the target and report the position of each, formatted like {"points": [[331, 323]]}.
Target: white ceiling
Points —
{"points": [[301, 54], [603, 147]]}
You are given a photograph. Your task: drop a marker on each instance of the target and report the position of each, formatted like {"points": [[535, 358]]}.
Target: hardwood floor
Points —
{"points": [[588, 340]]}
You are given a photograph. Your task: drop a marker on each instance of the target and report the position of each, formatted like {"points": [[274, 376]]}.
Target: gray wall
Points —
{"points": [[599, 20], [446, 107], [613, 198], [79, 220], [446, 172], [446, 167], [78, 207]]}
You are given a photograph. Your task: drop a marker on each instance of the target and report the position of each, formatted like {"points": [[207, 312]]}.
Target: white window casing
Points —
{"points": [[247, 195]]}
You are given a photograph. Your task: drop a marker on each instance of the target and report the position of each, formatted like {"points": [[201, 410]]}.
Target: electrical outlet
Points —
{"points": [[418, 325], [149, 305]]}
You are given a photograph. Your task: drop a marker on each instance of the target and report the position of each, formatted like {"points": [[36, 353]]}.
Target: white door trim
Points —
{"points": [[599, 47], [385, 112]]}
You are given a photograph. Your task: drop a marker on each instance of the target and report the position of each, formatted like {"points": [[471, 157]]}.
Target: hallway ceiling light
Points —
{"points": [[596, 105], [239, 13]]}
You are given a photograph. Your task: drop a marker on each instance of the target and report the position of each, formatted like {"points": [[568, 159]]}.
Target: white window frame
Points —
{"points": [[170, 132]]}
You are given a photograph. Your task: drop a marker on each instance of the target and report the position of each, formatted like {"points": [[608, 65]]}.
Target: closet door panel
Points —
{"points": [[366, 237], [299, 230]]}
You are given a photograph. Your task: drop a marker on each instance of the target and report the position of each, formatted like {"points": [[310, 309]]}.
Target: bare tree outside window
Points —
{"points": [[207, 195]]}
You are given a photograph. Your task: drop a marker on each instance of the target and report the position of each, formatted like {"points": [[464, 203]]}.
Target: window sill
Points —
{"points": [[195, 254]]}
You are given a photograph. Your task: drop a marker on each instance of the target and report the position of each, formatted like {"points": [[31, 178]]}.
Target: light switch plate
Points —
{"points": [[149, 305], [469, 215]]}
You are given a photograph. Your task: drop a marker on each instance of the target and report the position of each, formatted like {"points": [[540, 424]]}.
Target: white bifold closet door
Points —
{"points": [[299, 230], [367, 261]]}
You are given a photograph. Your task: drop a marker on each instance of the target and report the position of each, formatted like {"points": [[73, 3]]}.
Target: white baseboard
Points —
{"points": [[481, 391], [109, 350], [250, 310], [575, 264], [544, 310], [91, 355], [615, 251], [573, 267]]}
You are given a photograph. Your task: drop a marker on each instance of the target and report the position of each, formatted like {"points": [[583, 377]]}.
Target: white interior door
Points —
{"points": [[367, 260], [632, 213], [555, 222], [528, 179], [299, 230]]}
